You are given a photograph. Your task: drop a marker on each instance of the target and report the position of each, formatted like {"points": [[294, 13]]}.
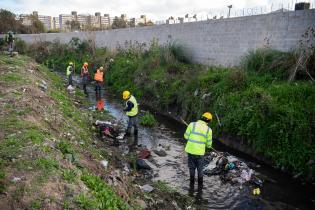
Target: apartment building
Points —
{"points": [[56, 24], [63, 20], [46, 20], [105, 21]]}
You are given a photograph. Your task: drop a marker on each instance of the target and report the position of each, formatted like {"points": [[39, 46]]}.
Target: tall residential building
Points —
{"points": [[46, 20], [56, 24], [75, 15], [105, 21], [123, 16], [96, 20], [83, 20], [63, 20], [26, 20]]}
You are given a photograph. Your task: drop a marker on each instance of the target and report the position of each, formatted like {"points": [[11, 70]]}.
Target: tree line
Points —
{"points": [[10, 22]]}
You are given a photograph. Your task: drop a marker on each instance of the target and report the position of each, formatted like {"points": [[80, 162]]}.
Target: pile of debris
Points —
{"points": [[230, 169], [109, 129]]}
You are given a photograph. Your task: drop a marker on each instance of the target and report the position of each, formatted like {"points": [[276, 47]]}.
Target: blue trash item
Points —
{"points": [[141, 164], [231, 166]]}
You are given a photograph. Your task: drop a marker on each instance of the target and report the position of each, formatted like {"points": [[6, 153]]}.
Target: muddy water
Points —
{"points": [[278, 191]]}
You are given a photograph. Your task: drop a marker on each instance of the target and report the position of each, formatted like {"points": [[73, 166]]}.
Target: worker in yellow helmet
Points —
{"points": [[131, 110], [85, 75], [199, 137], [99, 77], [70, 73]]}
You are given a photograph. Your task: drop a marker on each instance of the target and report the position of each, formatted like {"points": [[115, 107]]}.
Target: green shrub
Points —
{"points": [[277, 63], [20, 46], [148, 120]]}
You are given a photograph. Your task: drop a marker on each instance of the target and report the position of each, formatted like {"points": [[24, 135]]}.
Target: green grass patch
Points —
{"points": [[36, 205], [148, 120], [69, 175], [65, 147], [103, 196], [87, 202], [11, 78], [46, 164], [164, 187]]}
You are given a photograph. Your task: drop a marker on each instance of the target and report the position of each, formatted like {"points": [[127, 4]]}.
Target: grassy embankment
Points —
{"points": [[254, 102], [49, 153]]}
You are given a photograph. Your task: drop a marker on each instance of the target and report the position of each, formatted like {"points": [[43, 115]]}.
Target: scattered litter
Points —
{"points": [[16, 179], [120, 136], [109, 129], [196, 92], [230, 169], [160, 152], [104, 163], [147, 188], [144, 153], [205, 96], [99, 122], [141, 164], [43, 87], [71, 89], [246, 175]]}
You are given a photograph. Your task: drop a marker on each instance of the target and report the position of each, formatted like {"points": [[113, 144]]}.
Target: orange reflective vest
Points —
{"points": [[98, 76]]}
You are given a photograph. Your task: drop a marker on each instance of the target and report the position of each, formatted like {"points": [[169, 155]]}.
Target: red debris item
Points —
{"points": [[144, 153]]}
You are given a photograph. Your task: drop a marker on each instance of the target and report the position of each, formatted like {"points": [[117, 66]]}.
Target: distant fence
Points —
{"points": [[260, 10]]}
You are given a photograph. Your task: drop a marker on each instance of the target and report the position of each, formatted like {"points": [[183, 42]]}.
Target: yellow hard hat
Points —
{"points": [[70, 63], [85, 64], [207, 115], [256, 191], [101, 68], [126, 94]]}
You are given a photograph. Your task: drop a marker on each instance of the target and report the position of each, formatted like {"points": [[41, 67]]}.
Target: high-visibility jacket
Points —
{"points": [[84, 71], [134, 110], [69, 70], [199, 136], [98, 76]]}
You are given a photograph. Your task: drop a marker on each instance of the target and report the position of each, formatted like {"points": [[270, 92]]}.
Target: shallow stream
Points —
{"points": [[279, 190]]}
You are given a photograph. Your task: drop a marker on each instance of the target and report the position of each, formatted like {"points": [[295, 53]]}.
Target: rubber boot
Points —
{"points": [[200, 183], [127, 133], [192, 180], [191, 186], [136, 138]]}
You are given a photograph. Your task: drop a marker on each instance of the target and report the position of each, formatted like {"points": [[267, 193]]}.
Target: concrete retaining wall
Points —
{"points": [[213, 42]]}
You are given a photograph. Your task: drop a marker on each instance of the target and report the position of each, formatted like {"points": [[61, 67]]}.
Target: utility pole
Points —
{"points": [[230, 7]]}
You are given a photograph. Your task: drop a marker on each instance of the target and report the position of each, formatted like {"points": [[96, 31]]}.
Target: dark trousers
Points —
{"points": [[70, 79], [98, 86], [195, 162], [84, 88], [133, 122]]}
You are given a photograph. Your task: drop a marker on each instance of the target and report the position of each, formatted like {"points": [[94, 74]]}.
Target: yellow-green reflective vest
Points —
{"points": [[69, 69], [134, 110], [199, 136]]}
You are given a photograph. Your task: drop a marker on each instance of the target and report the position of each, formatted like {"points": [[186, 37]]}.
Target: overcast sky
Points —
{"points": [[154, 9]]}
